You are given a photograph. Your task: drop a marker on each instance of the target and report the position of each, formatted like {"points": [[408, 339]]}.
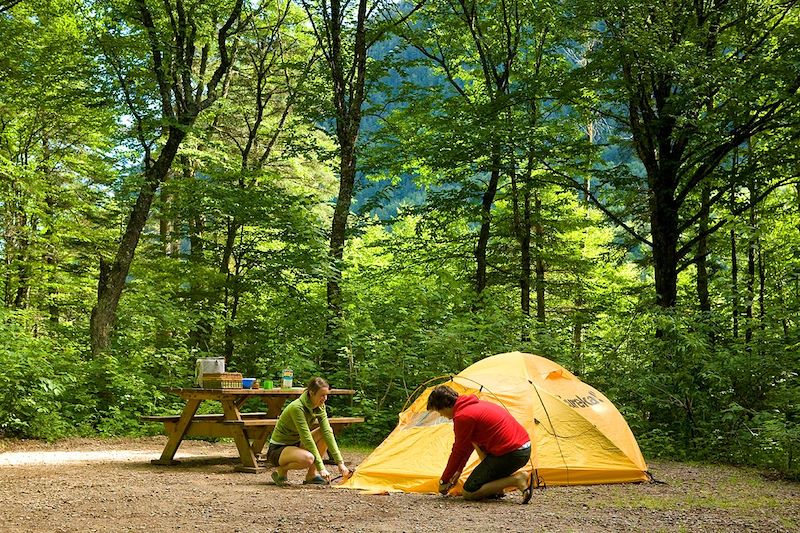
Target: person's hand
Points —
{"points": [[454, 478], [345, 472], [445, 486], [325, 474]]}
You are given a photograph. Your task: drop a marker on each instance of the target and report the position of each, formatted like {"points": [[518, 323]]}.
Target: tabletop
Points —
{"points": [[196, 392]]}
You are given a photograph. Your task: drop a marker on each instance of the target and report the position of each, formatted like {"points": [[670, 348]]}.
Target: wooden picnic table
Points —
{"points": [[250, 431]]}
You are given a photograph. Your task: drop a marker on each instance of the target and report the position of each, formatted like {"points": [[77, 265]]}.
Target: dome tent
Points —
{"points": [[578, 437]]}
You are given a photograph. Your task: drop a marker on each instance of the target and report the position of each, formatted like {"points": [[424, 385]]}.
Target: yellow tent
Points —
{"points": [[578, 436]]}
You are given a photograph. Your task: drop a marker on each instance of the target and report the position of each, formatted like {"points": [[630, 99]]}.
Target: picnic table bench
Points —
{"points": [[250, 431]]}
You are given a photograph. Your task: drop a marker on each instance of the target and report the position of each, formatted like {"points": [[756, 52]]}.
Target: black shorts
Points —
{"points": [[274, 452], [496, 467]]}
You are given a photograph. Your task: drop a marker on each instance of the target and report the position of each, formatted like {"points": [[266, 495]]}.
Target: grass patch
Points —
{"points": [[688, 501], [747, 478], [353, 447]]}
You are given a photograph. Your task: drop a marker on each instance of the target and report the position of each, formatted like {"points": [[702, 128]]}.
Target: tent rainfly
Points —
{"points": [[578, 436]]}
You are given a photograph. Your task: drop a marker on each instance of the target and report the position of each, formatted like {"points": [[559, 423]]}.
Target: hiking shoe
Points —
{"points": [[528, 492], [316, 480], [279, 480]]}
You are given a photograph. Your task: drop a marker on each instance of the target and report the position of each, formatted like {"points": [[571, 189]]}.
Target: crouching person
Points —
{"points": [[502, 444], [293, 446]]}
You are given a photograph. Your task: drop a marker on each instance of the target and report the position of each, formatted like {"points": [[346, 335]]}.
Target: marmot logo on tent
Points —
{"points": [[583, 401]]}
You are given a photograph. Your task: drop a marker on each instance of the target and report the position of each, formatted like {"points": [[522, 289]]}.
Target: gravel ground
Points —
{"points": [[109, 485]]}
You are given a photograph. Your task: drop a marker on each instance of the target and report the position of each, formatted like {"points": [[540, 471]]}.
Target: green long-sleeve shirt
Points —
{"points": [[294, 425]]}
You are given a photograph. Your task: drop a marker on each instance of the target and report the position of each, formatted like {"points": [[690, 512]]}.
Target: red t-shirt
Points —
{"points": [[486, 425]]}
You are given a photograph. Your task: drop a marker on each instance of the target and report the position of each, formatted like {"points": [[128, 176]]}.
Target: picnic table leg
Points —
{"points": [[260, 441], [274, 405], [246, 454], [176, 436]]}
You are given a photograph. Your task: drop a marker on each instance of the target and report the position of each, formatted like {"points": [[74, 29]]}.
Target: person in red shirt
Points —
{"points": [[501, 442]]}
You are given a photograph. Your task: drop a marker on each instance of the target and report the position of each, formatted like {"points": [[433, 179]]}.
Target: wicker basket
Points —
{"points": [[227, 380]]}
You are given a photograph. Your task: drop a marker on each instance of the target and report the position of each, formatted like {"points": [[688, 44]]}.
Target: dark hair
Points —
{"points": [[442, 397], [315, 384]]}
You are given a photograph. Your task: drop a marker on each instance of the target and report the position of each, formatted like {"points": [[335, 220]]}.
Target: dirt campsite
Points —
{"points": [[109, 485]]}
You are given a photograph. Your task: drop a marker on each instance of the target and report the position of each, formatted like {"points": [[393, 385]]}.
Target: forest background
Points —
{"points": [[385, 192]]}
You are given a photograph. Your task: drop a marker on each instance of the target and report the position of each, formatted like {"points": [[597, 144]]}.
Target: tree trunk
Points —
{"points": [[170, 248], [181, 101], [50, 259], [539, 231], [7, 280], [751, 267], [200, 294], [797, 202], [702, 253], [483, 235], [232, 314], [734, 285], [664, 229], [762, 276], [50, 255], [201, 331], [23, 267], [577, 326], [347, 172], [522, 230], [16, 246], [348, 70], [231, 299], [112, 276], [166, 226], [525, 275]]}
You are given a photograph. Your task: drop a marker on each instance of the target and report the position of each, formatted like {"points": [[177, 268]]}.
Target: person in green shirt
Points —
{"points": [[294, 446]]}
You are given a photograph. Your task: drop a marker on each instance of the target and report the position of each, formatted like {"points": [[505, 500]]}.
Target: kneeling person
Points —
{"points": [[293, 446], [501, 442]]}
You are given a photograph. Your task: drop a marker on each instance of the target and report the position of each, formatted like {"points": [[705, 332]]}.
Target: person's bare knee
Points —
{"points": [[308, 460], [295, 459]]}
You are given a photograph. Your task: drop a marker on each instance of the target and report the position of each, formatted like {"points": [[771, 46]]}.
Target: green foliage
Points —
{"points": [[41, 386], [234, 257], [126, 389]]}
